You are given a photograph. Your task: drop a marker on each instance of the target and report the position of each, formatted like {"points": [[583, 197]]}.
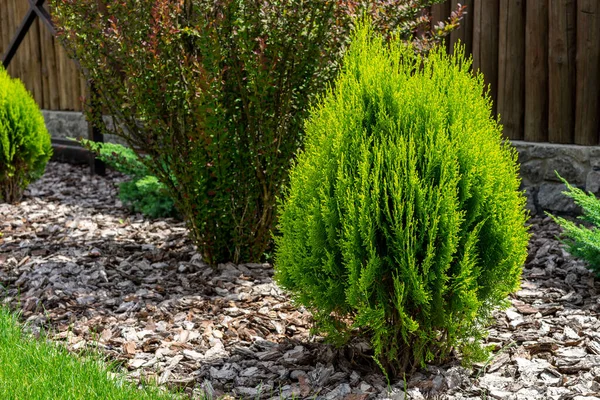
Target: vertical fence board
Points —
{"points": [[83, 92], [536, 71], [49, 70], [44, 68], [588, 73], [35, 63], [21, 58], [4, 32], [485, 44], [511, 67], [12, 28], [76, 86], [441, 12], [62, 69], [465, 32], [561, 71]]}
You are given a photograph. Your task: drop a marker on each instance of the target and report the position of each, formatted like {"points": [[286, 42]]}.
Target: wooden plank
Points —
{"points": [[12, 28], [440, 12], [75, 87], [24, 53], [587, 119], [53, 77], [536, 71], [35, 66], [464, 33], [511, 67], [561, 71], [4, 35], [63, 78], [485, 44], [44, 69], [83, 92], [46, 61]]}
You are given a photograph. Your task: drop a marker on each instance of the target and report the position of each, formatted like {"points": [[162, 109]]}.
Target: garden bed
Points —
{"points": [[75, 262]]}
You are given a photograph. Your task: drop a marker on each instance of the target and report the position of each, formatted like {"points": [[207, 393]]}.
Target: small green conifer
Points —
{"points": [[403, 220], [581, 241], [25, 146]]}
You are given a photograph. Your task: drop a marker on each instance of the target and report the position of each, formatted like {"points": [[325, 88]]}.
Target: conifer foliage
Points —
{"points": [[581, 241], [25, 146], [403, 220]]}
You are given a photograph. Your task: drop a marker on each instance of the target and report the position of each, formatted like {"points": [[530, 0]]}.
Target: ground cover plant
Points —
{"points": [[403, 221], [581, 241], [143, 193], [33, 368], [215, 93], [24, 141]]}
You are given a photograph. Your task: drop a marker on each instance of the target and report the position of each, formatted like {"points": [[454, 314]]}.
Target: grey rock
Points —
{"points": [[533, 171], [592, 182], [594, 153], [566, 167], [550, 197]]}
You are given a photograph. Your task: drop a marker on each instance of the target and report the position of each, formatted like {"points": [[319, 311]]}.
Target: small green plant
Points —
{"points": [[403, 219], [144, 193], [581, 241], [25, 146]]}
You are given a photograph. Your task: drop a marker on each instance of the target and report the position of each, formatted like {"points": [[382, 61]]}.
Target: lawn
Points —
{"points": [[33, 369]]}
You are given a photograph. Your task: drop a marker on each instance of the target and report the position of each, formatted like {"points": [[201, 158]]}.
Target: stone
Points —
{"points": [[568, 168], [533, 171], [594, 153], [551, 198], [592, 182], [524, 149], [63, 124]]}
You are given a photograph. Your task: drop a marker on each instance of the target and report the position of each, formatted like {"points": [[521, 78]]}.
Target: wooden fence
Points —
{"points": [[540, 57], [542, 61], [41, 63]]}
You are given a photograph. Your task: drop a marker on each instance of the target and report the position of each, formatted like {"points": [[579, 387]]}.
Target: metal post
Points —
{"points": [[97, 167]]}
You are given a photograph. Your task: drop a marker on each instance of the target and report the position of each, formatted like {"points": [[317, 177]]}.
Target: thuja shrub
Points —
{"points": [[582, 241], [215, 92], [403, 221], [143, 192], [25, 146]]}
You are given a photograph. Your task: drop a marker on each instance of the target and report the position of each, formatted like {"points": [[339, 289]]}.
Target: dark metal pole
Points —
{"points": [[97, 167]]}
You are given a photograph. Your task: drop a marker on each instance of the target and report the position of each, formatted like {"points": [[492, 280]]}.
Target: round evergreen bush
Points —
{"points": [[403, 220], [25, 146]]}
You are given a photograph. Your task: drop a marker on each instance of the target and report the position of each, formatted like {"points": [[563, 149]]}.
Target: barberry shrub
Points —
{"points": [[143, 192], [25, 146], [403, 220], [582, 241], [215, 93]]}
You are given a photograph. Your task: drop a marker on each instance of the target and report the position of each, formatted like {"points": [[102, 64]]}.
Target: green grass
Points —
{"points": [[32, 369]]}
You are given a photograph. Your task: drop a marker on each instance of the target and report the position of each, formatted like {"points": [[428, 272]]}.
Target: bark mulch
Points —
{"points": [[79, 265]]}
